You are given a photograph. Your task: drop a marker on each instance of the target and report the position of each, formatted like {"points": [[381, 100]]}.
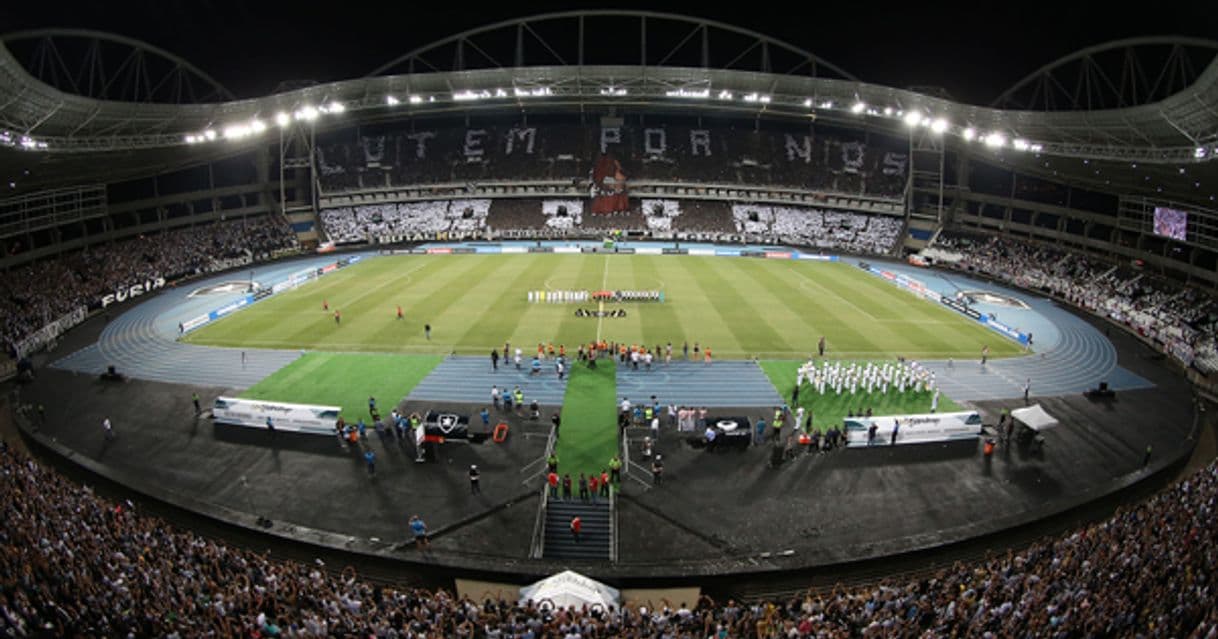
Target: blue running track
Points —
{"points": [[723, 383], [469, 380], [142, 342], [1070, 355]]}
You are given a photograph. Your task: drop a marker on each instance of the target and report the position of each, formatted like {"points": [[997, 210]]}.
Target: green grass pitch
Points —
{"points": [[831, 408], [588, 436], [346, 380], [740, 307]]}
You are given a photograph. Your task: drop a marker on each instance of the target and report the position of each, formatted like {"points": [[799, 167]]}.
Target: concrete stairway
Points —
{"points": [[596, 535]]}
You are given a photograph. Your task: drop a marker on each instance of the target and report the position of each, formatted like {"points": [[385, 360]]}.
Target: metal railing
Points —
{"points": [[538, 548], [613, 537]]}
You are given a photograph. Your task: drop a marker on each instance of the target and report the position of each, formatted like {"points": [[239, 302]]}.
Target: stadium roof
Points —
{"points": [[1151, 116]]}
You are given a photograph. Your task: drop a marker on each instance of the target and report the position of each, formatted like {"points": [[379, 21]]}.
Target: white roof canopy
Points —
{"points": [[1034, 417], [570, 588]]}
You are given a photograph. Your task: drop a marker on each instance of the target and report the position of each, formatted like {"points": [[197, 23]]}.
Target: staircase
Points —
{"points": [[596, 538]]}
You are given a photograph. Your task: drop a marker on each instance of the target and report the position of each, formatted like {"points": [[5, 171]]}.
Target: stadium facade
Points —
{"points": [[1083, 162]]}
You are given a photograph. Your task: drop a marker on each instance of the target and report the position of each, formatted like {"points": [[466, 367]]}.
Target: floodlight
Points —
{"points": [[1035, 148], [858, 107], [257, 126], [210, 134], [337, 107], [888, 111], [307, 113], [283, 119], [939, 125], [1020, 144], [725, 95], [416, 99], [995, 140], [969, 134], [1199, 152], [913, 118], [390, 100]]}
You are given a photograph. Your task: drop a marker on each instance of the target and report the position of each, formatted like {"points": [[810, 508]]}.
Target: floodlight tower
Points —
{"points": [[926, 172], [297, 143]]}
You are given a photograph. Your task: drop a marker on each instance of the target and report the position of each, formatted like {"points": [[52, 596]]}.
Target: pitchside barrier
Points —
{"points": [[299, 418], [493, 249], [918, 288], [914, 429], [292, 281]]}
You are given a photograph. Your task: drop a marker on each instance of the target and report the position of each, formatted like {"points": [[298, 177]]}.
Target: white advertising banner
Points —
{"points": [[914, 429], [302, 418], [195, 322]]}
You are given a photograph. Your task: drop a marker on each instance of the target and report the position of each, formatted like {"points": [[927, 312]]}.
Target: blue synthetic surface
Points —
{"points": [[469, 379], [142, 342], [1069, 355], [723, 383]]}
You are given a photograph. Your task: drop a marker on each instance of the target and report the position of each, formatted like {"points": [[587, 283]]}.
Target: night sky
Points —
{"points": [[974, 54]]}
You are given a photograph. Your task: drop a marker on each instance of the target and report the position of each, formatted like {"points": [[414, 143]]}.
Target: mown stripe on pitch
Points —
{"points": [[444, 287], [862, 289], [696, 308], [573, 331], [956, 335], [511, 305], [749, 322], [787, 300], [466, 300], [391, 333], [658, 321], [415, 288], [844, 328], [620, 276], [298, 315]]}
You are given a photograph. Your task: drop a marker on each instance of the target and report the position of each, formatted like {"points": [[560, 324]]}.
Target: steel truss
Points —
{"points": [[745, 79]]}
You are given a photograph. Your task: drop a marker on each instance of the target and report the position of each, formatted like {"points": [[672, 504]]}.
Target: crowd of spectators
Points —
{"points": [[1183, 320], [557, 218], [660, 214], [40, 292], [75, 564], [704, 217], [833, 230], [365, 223], [562, 215], [827, 160]]}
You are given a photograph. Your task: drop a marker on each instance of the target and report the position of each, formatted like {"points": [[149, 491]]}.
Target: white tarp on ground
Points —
{"points": [[569, 588], [1034, 417]]}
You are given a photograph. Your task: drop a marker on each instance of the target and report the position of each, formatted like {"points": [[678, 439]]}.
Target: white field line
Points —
{"points": [[604, 282]]}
